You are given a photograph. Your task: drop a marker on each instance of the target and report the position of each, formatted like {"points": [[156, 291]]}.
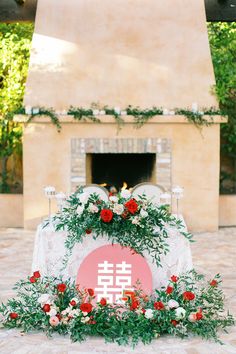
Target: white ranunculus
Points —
{"points": [[143, 213], [74, 313], [92, 208], [173, 304], [52, 312], [83, 197], [80, 209], [44, 299], [125, 194], [113, 199], [85, 319], [180, 313], [118, 209], [135, 220], [149, 313], [66, 311]]}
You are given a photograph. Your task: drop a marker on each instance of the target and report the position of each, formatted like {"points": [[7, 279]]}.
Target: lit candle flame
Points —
{"points": [[103, 184], [125, 185]]}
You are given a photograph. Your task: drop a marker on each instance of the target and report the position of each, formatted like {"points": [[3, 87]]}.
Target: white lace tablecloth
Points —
{"points": [[49, 250]]}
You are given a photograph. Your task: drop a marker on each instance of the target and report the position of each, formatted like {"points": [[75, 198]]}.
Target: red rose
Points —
{"points": [[174, 322], [134, 305], [61, 287], [143, 311], [37, 274], [73, 303], [106, 215], [169, 289], [46, 308], [13, 315], [88, 231], [188, 295], [213, 283], [103, 301], [158, 305], [90, 292], [132, 206], [199, 316], [174, 278], [32, 279], [58, 315], [86, 307]]}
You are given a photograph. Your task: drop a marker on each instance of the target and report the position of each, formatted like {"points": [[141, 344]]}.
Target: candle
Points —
{"points": [[28, 110], [95, 112], [123, 113], [194, 107], [117, 110], [165, 112], [35, 110]]}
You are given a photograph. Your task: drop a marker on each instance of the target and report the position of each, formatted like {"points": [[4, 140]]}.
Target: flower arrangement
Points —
{"points": [[137, 224], [187, 305]]}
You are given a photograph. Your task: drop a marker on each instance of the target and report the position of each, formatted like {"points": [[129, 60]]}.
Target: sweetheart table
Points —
{"points": [[49, 252]]}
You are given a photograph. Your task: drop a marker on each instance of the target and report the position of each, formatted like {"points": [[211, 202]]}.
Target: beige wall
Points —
{"points": [[120, 52], [195, 164], [227, 210], [11, 210]]}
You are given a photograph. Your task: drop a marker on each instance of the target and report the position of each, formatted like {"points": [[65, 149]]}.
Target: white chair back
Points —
{"points": [[95, 188], [150, 190]]}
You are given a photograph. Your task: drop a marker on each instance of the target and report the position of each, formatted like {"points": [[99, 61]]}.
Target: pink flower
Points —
{"points": [[54, 321]]}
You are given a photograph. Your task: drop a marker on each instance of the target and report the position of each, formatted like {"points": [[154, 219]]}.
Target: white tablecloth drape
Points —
{"points": [[49, 251]]}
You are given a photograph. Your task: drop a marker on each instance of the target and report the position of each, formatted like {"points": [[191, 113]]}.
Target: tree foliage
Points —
{"points": [[222, 38], [15, 40]]}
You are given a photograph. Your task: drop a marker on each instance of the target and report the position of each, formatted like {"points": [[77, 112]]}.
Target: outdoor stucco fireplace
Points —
{"points": [[82, 55]]}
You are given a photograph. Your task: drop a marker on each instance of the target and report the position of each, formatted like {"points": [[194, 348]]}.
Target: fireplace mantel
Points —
{"points": [[107, 119]]}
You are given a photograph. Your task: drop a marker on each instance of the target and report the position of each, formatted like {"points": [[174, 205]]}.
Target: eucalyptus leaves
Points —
{"points": [[137, 224]]}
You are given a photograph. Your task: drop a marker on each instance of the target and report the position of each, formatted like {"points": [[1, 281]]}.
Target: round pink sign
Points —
{"points": [[111, 269]]}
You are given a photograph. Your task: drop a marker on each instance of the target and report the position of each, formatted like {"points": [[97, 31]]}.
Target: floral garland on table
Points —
{"points": [[137, 224], [186, 306]]}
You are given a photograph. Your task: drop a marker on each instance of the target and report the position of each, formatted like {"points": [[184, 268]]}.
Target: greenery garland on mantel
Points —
{"points": [[140, 116]]}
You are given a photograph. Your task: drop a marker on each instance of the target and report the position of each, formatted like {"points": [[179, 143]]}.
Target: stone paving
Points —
{"points": [[212, 253]]}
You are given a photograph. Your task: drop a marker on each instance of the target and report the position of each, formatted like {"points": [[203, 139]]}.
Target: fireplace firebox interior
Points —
{"points": [[116, 169]]}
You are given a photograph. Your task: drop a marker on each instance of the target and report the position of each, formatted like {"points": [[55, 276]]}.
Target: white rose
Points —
{"points": [[66, 311], [83, 197], [85, 319], [143, 213], [80, 209], [52, 312], [149, 313], [173, 304], [84, 313], [92, 208], [118, 209], [113, 199], [125, 194], [74, 313], [135, 220], [192, 317], [44, 299], [180, 313]]}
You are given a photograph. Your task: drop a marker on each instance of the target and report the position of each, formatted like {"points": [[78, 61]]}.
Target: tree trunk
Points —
{"points": [[4, 187]]}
